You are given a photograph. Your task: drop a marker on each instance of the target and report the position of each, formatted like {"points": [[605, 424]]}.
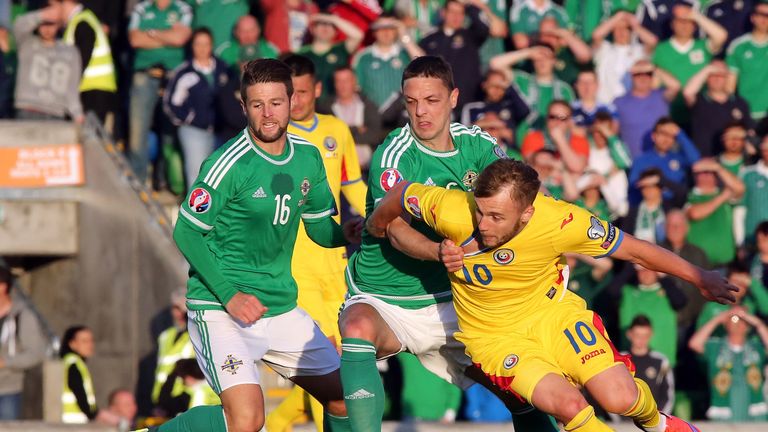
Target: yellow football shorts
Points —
{"points": [[321, 297]]}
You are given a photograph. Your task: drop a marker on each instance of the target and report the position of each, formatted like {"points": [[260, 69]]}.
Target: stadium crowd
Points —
{"points": [[650, 114]]}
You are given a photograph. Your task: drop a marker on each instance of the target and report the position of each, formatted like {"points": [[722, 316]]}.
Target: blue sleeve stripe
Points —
{"points": [[402, 196], [615, 245]]}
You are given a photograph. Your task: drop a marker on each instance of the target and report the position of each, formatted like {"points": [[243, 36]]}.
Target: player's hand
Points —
{"points": [[353, 229], [450, 255], [245, 308], [714, 287]]}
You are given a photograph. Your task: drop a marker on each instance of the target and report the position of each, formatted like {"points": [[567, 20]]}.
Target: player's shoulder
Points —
{"points": [[739, 43], [549, 212], [227, 159], [390, 153], [464, 135]]}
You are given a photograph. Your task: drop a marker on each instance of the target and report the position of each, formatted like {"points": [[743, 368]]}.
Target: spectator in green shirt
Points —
{"points": [[324, 52], [220, 16], [709, 209], [526, 15], [748, 58], [246, 45]]}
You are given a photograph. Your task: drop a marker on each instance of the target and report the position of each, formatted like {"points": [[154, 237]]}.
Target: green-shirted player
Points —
{"points": [[237, 229], [398, 303]]}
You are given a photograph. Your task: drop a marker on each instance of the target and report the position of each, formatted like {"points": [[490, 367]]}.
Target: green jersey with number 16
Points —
{"points": [[248, 203]]}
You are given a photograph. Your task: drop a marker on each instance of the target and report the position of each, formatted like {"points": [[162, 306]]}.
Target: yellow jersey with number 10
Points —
{"points": [[337, 147], [499, 288]]}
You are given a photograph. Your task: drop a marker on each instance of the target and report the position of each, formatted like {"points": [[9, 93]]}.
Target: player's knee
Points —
{"points": [[622, 399], [244, 421], [358, 325], [569, 407], [337, 408]]}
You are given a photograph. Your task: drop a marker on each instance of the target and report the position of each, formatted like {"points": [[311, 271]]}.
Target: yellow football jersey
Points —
{"points": [[499, 288], [334, 140]]}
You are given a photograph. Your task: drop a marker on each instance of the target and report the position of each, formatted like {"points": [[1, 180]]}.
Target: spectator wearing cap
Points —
{"points": [[526, 15], [173, 344], [218, 16], [379, 67], [673, 153], [22, 345], [644, 104], [684, 54], [247, 44], [190, 101], [358, 112], [41, 93], [628, 43], [500, 98], [324, 52], [157, 31], [647, 219], [755, 178], [713, 108], [747, 57], [709, 209], [609, 157], [558, 136], [733, 16], [538, 89], [586, 106], [460, 45]]}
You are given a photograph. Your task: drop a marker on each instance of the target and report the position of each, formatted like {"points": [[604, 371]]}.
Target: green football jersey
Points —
{"points": [[714, 233], [378, 268], [248, 204], [747, 58]]}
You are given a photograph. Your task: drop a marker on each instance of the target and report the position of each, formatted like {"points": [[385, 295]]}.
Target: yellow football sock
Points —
{"points": [[644, 412], [317, 413], [586, 421], [288, 412]]}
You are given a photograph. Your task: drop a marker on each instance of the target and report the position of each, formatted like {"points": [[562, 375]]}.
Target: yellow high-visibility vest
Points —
{"points": [[99, 74]]}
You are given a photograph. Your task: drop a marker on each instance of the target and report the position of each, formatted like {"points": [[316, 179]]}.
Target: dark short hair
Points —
{"points": [[344, 68], [661, 122], [762, 228], [522, 180], [266, 71], [429, 66], [560, 102], [189, 367], [650, 172], [737, 266], [300, 65], [603, 115], [640, 321], [69, 336], [199, 31]]}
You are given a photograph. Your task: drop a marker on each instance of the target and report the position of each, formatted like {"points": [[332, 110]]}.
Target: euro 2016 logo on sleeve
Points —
{"points": [[596, 229], [504, 256], [231, 364], [199, 200], [510, 361], [413, 205], [389, 178]]}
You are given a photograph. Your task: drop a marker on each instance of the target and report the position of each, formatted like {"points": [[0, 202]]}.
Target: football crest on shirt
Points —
{"points": [[389, 178], [413, 204], [199, 200], [304, 188], [329, 143], [596, 229], [504, 256], [510, 361], [469, 179], [231, 364]]}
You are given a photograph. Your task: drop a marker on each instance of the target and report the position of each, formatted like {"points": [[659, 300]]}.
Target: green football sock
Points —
{"points": [[363, 390], [332, 423], [209, 418], [534, 420]]}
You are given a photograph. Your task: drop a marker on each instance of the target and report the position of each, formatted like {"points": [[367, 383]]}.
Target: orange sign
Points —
{"points": [[56, 165]]}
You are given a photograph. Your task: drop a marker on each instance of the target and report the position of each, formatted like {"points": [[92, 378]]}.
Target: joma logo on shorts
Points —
{"points": [[591, 354]]}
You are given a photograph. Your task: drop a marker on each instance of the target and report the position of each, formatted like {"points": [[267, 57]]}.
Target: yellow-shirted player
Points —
{"points": [[319, 272], [520, 324]]}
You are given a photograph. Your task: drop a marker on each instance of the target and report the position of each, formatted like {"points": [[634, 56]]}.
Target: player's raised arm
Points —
{"points": [[711, 284], [388, 209]]}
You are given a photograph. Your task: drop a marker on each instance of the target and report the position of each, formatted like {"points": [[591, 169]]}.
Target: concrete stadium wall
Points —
{"points": [[119, 281]]}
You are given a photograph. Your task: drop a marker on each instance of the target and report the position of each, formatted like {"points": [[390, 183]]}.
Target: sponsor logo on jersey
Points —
{"points": [[592, 354], [389, 178], [504, 256], [499, 152], [199, 200], [611, 235], [651, 372], [469, 179], [551, 293], [259, 193], [510, 361], [596, 229], [567, 220], [231, 364], [360, 394], [413, 204], [329, 143]]}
